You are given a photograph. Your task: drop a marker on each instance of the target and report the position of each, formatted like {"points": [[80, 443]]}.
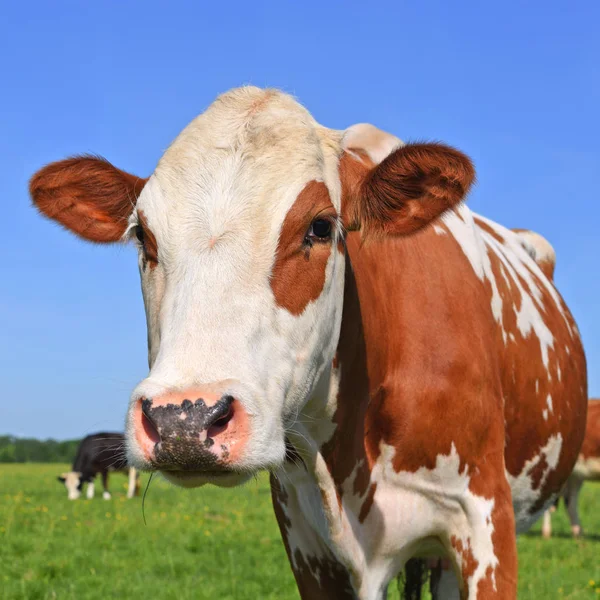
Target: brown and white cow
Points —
{"points": [[322, 305], [587, 468]]}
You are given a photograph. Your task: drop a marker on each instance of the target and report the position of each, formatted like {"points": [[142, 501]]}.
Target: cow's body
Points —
{"points": [[422, 408], [587, 468], [99, 453], [405, 378]]}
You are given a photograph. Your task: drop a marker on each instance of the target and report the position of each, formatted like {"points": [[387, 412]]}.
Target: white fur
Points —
{"points": [[525, 496], [410, 510], [377, 144], [71, 481], [538, 247], [216, 205]]}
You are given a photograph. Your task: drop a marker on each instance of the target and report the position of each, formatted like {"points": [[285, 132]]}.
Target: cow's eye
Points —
{"points": [[139, 234], [320, 229]]}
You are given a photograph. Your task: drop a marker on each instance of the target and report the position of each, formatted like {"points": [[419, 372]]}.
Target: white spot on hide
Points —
{"points": [[524, 495]]}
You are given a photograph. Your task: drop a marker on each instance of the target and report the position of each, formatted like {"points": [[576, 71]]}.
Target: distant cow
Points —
{"points": [[321, 304], [99, 453], [587, 468]]}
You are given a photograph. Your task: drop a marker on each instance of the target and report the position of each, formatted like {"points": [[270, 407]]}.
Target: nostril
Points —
{"points": [[149, 427], [224, 419], [222, 414]]}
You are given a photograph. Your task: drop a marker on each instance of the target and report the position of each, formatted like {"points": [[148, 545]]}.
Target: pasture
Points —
{"points": [[207, 543]]}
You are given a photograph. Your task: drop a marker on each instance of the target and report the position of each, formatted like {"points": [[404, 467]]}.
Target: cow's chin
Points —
{"points": [[192, 479]]}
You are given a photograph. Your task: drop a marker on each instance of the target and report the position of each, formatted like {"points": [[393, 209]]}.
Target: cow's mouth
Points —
{"points": [[191, 479]]}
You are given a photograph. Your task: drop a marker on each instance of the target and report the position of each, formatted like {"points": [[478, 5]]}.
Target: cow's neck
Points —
{"points": [[339, 466], [390, 284], [344, 453]]}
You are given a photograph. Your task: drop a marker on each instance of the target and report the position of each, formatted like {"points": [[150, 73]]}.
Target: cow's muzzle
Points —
{"points": [[197, 431]]}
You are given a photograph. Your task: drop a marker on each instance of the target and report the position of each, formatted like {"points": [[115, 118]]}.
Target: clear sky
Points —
{"points": [[515, 85]]}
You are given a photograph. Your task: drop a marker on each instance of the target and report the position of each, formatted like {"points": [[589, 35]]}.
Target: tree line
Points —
{"points": [[21, 450]]}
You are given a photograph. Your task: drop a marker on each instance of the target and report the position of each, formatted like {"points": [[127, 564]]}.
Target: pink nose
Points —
{"points": [[193, 430]]}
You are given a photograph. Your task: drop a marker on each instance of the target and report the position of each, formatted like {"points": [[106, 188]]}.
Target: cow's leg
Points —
{"points": [[318, 574], [572, 500], [89, 493], [105, 493], [444, 586], [547, 524], [482, 543], [547, 519], [133, 478]]}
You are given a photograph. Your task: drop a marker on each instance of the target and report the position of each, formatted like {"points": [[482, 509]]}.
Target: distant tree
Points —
{"points": [[19, 450]]}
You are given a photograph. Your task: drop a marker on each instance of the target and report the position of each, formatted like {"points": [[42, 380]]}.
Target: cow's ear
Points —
{"points": [[88, 196], [61, 478], [393, 188]]}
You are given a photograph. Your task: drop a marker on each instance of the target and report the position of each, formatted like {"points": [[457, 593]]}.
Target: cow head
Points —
{"points": [[240, 233], [73, 482]]}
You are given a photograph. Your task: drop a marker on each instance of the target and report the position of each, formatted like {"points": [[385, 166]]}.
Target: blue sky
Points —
{"points": [[515, 85]]}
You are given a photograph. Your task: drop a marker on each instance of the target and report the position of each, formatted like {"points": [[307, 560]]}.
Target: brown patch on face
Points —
{"points": [[298, 275], [149, 244], [87, 195], [591, 442]]}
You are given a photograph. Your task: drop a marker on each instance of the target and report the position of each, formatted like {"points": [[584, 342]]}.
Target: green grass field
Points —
{"points": [[206, 543]]}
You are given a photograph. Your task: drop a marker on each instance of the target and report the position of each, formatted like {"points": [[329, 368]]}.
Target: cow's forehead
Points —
{"points": [[249, 154]]}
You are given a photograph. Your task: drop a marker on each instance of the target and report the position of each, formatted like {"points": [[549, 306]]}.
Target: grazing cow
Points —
{"points": [[587, 468], [99, 453], [322, 304]]}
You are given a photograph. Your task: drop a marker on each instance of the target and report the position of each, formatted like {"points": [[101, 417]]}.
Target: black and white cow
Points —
{"points": [[99, 453]]}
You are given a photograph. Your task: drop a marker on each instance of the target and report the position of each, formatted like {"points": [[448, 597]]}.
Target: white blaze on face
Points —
{"points": [[216, 205], [72, 483]]}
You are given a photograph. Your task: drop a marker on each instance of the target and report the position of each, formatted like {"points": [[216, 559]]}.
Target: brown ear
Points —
{"points": [[409, 188], [87, 195]]}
